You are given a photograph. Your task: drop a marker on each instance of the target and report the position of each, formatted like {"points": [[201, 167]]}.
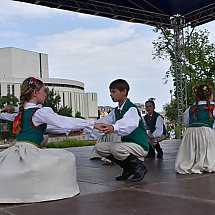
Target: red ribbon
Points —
{"points": [[195, 109], [210, 107], [16, 122]]}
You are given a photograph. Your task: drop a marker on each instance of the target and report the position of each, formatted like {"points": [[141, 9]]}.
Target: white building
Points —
{"points": [[18, 64]]}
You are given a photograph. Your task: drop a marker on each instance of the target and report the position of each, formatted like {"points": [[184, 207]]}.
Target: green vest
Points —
{"points": [[152, 123], [139, 135], [202, 117], [29, 132]]}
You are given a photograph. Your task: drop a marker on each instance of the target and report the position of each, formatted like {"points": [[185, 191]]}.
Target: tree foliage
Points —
{"points": [[78, 115], [65, 111], [9, 99], [199, 59], [52, 99]]}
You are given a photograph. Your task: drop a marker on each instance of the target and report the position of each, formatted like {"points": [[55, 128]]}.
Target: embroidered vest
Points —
{"points": [[139, 135], [152, 123], [29, 132], [202, 117]]}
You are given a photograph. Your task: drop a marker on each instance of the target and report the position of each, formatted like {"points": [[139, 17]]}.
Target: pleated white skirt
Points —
{"points": [[31, 174], [196, 153]]}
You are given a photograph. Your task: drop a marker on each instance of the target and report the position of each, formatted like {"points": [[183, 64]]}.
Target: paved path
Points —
{"points": [[162, 192]]}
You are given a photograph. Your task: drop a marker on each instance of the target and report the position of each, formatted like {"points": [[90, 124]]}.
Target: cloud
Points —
{"points": [[98, 56], [11, 11], [90, 49]]}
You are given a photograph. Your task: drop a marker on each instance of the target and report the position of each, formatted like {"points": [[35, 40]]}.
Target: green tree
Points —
{"points": [[65, 111], [9, 99], [78, 115], [52, 99], [199, 62]]}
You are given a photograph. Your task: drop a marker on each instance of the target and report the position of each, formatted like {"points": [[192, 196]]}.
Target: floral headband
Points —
{"points": [[205, 88], [33, 81], [195, 88]]}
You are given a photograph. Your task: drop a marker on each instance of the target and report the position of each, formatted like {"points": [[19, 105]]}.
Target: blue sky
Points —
{"points": [[90, 49]]}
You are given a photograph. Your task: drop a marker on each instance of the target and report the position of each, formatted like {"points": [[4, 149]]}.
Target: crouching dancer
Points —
{"points": [[125, 121]]}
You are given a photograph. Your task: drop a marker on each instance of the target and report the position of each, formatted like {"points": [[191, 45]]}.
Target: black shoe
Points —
{"points": [[159, 151], [160, 154], [139, 172], [150, 156], [125, 174], [95, 158], [151, 152]]}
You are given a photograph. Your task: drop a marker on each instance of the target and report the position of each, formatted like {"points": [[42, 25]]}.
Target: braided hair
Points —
{"points": [[27, 88], [203, 93]]}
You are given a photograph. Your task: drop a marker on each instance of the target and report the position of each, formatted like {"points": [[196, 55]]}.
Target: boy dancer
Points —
{"points": [[157, 132], [125, 121]]}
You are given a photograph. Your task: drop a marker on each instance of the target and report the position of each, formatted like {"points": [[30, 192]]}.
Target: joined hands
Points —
{"points": [[104, 127]]}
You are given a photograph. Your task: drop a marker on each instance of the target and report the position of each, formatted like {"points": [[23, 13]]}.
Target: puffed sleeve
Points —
{"points": [[48, 116], [7, 116]]}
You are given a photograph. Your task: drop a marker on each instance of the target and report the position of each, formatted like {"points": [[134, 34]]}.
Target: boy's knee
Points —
{"points": [[97, 146]]}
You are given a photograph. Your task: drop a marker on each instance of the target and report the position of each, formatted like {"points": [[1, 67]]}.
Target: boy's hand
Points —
{"points": [[108, 129], [150, 137], [99, 126]]}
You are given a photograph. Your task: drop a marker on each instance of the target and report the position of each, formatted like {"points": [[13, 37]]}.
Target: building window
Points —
{"points": [[13, 91], [8, 89], [63, 100]]}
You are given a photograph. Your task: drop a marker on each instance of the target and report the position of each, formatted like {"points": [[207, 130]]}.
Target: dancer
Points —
{"points": [[197, 148], [125, 121], [27, 172], [154, 123]]}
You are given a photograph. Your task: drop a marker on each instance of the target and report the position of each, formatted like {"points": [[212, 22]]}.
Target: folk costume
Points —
{"points": [[154, 123], [31, 174], [130, 151], [197, 149]]}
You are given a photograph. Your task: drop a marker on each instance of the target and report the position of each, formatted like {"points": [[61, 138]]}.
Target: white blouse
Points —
{"points": [[55, 123]]}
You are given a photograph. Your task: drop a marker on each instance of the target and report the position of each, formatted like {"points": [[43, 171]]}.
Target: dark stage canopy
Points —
{"points": [[157, 13]]}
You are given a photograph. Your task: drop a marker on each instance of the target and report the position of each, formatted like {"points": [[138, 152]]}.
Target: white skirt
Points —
{"points": [[196, 153], [31, 174]]}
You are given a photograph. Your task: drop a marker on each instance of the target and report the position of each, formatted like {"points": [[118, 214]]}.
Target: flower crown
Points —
{"points": [[33, 81], [195, 88], [205, 88]]}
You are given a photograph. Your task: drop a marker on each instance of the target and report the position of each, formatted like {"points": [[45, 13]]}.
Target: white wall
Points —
{"points": [[21, 63], [18, 64]]}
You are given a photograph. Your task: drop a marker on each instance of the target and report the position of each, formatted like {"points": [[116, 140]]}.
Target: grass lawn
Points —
{"points": [[71, 143]]}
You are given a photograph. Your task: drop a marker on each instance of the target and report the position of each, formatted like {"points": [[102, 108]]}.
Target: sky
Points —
{"points": [[90, 49]]}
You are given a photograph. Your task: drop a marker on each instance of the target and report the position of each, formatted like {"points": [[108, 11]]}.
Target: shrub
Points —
{"points": [[71, 143]]}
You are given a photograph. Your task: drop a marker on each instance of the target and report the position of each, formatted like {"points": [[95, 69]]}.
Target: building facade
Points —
{"points": [[18, 64]]}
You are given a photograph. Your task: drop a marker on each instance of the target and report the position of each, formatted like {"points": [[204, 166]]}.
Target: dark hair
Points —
{"points": [[203, 93], [120, 85], [150, 101], [27, 88]]}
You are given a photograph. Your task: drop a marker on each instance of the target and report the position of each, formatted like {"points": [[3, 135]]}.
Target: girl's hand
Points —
{"points": [[8, 108]]}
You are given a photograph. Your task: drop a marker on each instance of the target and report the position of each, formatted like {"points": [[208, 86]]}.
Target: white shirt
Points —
{"points": [[55, 123], [122, 127], [186, 114]]}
